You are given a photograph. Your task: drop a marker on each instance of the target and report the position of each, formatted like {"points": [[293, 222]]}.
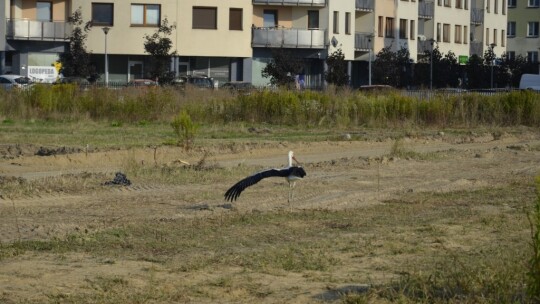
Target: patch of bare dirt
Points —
{"points": [[340, 175]]}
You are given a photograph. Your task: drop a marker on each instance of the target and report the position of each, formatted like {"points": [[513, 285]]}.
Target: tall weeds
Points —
{"points": [[346, 108]]}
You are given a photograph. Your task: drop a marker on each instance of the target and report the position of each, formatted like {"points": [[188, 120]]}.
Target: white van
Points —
{"points": [[530, 82]]}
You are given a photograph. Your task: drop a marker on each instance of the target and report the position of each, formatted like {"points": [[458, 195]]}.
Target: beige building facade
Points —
{"points": [[523, 29], [234, 40]]}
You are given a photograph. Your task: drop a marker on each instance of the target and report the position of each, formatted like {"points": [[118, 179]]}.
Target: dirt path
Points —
{"points": [[341, 175]]}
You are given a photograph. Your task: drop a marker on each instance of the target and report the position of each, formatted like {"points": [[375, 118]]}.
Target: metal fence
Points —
{"points": [[24, 29], [291, 2], [288, 38]]}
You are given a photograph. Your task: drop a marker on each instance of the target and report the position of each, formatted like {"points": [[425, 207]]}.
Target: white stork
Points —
{"points": [[291, 173]]}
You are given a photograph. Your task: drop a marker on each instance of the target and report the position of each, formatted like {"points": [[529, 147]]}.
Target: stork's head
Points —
{"points": [[291, 158]]}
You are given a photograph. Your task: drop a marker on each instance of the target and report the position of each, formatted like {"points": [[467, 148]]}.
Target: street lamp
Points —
{"points": [[431, 41], [370, 37], [493, 45], [106, 31]]}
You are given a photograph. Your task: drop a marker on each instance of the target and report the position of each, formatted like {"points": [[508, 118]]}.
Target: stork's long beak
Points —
{"points": [[294, 158]]}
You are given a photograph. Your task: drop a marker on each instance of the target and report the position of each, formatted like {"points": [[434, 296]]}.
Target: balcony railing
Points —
{"points": [[424, 46], [288, 38], [426, 9], [291, 2], [365, 5], [476, 48], [363, 41], [24, 29], [477, 16]]}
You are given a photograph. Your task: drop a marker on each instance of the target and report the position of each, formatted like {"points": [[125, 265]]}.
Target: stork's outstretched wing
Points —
{"points": [[234, 192]]}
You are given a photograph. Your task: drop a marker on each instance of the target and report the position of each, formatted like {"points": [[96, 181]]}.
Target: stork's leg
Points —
{"points": [[291, 191]]}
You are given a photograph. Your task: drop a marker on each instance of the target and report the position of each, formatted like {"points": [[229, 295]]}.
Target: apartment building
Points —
{"points": [[211, 37], [33, 34], [234, 39], [523, 29], [488, 26]]}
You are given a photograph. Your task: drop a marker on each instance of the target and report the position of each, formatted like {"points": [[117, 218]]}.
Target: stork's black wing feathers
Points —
{"points": [[234, 192]]}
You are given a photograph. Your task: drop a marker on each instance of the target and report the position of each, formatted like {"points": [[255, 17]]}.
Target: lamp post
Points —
{"points": [[370, 37], [106, 31], [431, 41], [493, 45]]}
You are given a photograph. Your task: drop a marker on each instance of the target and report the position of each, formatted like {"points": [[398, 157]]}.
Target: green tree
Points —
{"points": [[76, 61], [476, 73], [392, 68], [337, 69], [159, 46], [283, 68]]}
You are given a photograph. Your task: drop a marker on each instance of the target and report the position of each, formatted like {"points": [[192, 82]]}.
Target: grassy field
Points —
{"points": [[440, 214]]}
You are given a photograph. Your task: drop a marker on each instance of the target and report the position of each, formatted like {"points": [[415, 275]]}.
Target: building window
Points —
{"points": [[496, 6], [102, 13], [465, 34], [459, 3], [270, 18], [534, 3], [438, 32], [235, 19], [43, 11], [145, 14], [413, 27], [348, 23], [380, 26], [511, 55], [439, 2], [457, 34], [495, 36], [503, 38], [532, 56], [532, 29], [504, 7], [487, 37], [511, 3], [446, 32], [466, 2], [447, 3], [511, 28], [389, 30], [313, 20], [336, 22], [402, 28], [204, 18]]}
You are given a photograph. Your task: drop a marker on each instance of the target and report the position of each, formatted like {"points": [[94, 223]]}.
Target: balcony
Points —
{"points": [[24, 29], [477, 16], [424, 46], [288, 38], [426, 9], [365, 5], [291, 2], [476, 48], [363, 41]]}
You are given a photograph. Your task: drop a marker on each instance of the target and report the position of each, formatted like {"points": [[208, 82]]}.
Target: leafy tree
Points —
{"points": [[392, 68], [76, 61], [283, 68], [448, 71], [159, 46], [476, 73], [337, 69]]}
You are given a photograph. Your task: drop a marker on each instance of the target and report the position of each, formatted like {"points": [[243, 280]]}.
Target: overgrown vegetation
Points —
{"points": [[185, 129], [533, 274], [283, 107]]}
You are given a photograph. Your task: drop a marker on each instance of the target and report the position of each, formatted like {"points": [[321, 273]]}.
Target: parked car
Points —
{"points": [[376, 88], [239, 86], [202, 82], [10, 81], [142, 83]]}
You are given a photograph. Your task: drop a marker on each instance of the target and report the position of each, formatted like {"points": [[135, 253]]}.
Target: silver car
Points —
{"points": [[10, 81]]}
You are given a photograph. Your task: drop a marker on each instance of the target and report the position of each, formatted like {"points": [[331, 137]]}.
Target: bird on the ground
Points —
{"points": [[291, 173]]}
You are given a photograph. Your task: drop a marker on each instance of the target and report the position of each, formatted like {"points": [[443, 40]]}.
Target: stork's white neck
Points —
{"points": [[290, 158]]}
